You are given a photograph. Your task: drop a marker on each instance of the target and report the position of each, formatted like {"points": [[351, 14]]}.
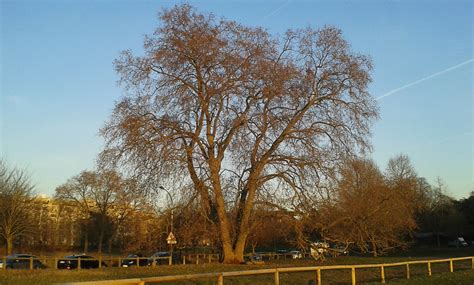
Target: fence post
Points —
{"points": [[170, 260], [429, 268], [55, 263], [353, 275], [31, 262], [220, 279], [5, 262], [184, 259], [451, 269], [100, 261], [138, 261], [382, 274], [79, 263], [318, 276], [197, 258], [277, 277], [408, 270], [210, 258]]}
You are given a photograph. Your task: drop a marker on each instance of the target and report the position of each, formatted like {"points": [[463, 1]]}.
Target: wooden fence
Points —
{"points": [[352, 269]]}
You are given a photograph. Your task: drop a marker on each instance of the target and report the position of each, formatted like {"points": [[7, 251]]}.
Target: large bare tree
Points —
{"points": [[240, 112], [16, 193]]}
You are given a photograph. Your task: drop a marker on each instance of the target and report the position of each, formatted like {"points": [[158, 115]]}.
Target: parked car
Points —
{"points": [[338, 249], [253, 257], [131, 260], [295, 254], [72, 261], [282, 251], [459, 242], [21, 261], [158, 258]]}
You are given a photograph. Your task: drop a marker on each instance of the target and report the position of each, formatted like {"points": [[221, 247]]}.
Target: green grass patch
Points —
{"points": [[394, 275]]}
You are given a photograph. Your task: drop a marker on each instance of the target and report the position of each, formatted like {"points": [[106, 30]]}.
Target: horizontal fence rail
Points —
{"points": [[220, 276]]}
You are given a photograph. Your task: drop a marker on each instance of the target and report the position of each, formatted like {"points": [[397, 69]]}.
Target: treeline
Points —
{"points": [[366, 209], [374, 212]]}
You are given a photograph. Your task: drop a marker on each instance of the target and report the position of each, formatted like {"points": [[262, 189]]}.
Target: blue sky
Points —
{"points": [[58, 85]]}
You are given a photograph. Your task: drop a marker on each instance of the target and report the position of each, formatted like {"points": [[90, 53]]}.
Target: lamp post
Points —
{"points": [[171, 240]]}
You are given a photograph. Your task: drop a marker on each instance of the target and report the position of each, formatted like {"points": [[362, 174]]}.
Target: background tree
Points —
{"points": [[16, 192], [402, 177], [441, 215], [95, 193], [367, 213], [466, 209], [77, 192], [193, 229], [239, 111], [271, 229], [128, 200]]}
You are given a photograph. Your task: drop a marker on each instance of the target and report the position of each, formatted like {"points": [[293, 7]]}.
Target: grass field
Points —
{"points": [[463, 273]]}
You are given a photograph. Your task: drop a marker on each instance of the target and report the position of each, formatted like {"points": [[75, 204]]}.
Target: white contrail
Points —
{"points": [[425, 78], [273, 12]]}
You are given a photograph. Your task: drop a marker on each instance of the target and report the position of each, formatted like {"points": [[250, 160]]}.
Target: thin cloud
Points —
{"points": [[442, 140], [274, 11], [392, 92], [15, 100], [455, 137]]}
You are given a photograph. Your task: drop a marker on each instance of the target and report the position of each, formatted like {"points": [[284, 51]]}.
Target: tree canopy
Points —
{"points": [[238, 113], [16, 192]]}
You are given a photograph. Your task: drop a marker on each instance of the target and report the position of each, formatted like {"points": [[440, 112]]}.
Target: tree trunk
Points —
{"points": [[243, 216], [57, 235], [229, 255], [110, 244], [9, 245], [224, 227], [101, 239], [102, 232], [374, 249], [233, 249], [86, 242]]}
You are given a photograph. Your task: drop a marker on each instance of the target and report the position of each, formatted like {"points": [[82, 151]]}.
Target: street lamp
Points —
{"points": [[171, 239]]}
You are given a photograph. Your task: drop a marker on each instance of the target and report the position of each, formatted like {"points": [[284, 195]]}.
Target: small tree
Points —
{"points": [[128, 201], [400, 176], [271, 228], [16, 192], [94, 193], [77, 192], [441, 215]]}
